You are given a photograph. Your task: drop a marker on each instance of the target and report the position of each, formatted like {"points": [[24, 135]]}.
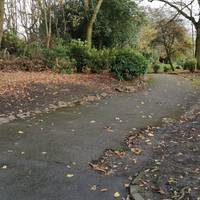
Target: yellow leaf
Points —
{"points": [[136, 151], [116, 194]]}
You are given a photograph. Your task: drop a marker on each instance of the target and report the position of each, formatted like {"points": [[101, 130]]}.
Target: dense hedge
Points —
{"points": [[76, 55], [128, 64], [190, 64]]}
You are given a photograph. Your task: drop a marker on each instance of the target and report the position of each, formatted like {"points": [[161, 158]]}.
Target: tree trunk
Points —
{"points": [[89, 30], [90, 24], [171, 64], [1, 19], [197, 49], [169, 58]]}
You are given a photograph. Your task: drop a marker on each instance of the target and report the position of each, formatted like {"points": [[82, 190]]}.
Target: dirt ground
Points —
{"points": [[22, 92]]}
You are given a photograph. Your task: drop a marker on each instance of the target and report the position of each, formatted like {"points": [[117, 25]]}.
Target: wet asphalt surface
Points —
{"points": [[39, 153]]}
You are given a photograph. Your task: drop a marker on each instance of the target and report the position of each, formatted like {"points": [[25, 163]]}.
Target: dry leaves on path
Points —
{"points": [[99, 168]]}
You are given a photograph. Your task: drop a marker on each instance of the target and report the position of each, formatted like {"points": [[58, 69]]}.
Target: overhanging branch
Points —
{"points": [[180, 10]]}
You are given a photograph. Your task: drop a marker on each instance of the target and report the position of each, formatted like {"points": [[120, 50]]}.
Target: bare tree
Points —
{"points": [[184, 8], [1, 19], [45, 7], [11, 15], [29, 17]]}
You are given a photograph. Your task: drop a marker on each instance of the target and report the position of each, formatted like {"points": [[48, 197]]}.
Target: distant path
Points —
{"points": [[37, 156]]}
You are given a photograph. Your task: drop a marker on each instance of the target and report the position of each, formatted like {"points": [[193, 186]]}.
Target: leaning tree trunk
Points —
{"points": [[171, 63], [90, 24], [197, 50], [1, 19], [169, 58]]}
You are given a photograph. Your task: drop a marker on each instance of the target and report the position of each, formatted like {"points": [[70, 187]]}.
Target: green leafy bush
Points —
{"points": [[57, 58], [80, 51], [64, 65], [190, 64], [33, 50], [100, 60], [13, 44], [156, 67], [180, 63], [128, 64], [166, 67]]}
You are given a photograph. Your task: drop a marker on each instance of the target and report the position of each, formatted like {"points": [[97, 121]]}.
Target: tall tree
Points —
{"points": [[91, 18], [29, 16], [45, 7], [1, 19], [118, 24], [184, 8], [171, 36]]}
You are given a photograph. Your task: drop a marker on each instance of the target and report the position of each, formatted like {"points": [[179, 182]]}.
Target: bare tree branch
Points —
{"points": [[180, 10]]}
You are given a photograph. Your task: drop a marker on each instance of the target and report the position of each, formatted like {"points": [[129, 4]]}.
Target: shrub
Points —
{"points": [[178, 67], [166, 67], [57, 59], [190, 64], [100, 60], [161, 67], [80, 51], [156, 67], [33, 50], [13, 44], [64, 65], [128, 64], [180, 63]]}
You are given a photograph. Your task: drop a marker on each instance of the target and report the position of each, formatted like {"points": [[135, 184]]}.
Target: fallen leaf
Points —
{"points": [[4, 167], [109, 129], [93, 188], [126, 185], [20, 132], [158, 190], [136, 151], [116, 194], [120, 153], [69, 175], [97, 167], [104, 190], [150, 134]]}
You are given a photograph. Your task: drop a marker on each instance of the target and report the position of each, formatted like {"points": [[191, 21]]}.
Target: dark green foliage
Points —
{"points": [[166, 67], [117, 23], [33, 50], [65, 65], [79, 51], [57, 58], [180, 63], [156, 67], [100, 60], [68, 21], [190, 64], [128, 64], [160, 67], [13, 44]]}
